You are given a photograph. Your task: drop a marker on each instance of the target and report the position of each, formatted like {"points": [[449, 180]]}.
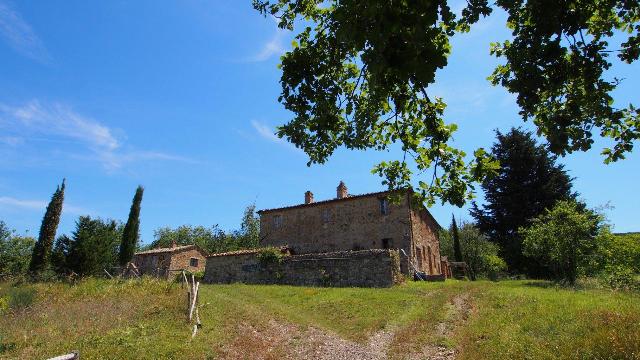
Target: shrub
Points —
{"points": [[270, 255], [478, 252], [620, 278], [562, 239], [494, 266], [198, 275]]}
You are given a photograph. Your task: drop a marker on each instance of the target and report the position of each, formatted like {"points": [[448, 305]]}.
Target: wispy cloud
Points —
{"points": [[60, 120], [58, 123], [20, 36], [12, 203], [268, 133], [273, 47]]}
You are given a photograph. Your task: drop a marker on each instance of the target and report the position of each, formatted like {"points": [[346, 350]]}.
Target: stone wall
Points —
{"points": [[366, 268], [426, 242]]}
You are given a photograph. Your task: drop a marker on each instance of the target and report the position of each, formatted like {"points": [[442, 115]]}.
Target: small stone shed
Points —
{"points": [[165, 262]]}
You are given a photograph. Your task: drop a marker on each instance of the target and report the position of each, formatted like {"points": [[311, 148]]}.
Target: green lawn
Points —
{"points": [[480, 320]]}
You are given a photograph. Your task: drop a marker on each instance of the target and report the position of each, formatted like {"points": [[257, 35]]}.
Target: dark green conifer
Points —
{"points": [[130, 234], [457, 251], [41, 256]]}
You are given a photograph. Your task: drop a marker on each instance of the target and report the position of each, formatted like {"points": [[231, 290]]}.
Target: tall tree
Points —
{"points": [[60, 254], [15, 251], [94, 246], [457, 252], [250, 228], [40, 258], [529, 181], [359, 76], [131, 233]]}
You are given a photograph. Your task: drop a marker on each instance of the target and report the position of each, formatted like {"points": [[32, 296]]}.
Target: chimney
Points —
{"points": [[308, 197], [173, 244], [342, 191]]}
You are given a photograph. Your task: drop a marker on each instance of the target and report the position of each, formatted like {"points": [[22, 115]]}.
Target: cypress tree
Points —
{"points": [[131, 229], [41, 255], [457, 252]]}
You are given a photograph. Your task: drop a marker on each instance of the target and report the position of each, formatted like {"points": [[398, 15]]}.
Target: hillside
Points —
{"points": [[466, 320]]}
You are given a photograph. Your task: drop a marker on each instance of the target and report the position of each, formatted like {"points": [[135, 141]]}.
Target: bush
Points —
{"points": [[620, 278], [478, 252], [198, 275], [494, 266], [562, 239], [270, 255]]}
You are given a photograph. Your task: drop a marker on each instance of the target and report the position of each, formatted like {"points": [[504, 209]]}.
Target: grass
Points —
{"points": [[146, 319]]}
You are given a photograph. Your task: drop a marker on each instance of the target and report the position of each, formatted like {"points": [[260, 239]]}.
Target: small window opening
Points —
{"points": [[384, 206], [277, 221], [387, 243], [326, 216], [193, 262]]}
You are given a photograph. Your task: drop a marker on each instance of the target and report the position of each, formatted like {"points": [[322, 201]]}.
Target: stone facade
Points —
{"points": [[165, 262], [367, 268], [360, 222]]}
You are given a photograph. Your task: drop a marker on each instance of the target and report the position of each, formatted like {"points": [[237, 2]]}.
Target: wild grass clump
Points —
{"points": [[21, 297]]}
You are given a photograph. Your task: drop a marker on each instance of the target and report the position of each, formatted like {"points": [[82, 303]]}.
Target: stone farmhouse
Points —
{"points": [[356, 222], [352, 240], [165, 262]]}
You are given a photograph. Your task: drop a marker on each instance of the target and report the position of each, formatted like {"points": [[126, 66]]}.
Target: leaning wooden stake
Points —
{"points": [[72, 356], [198, 324], [110, 277], [193, 300], [184, 280]]}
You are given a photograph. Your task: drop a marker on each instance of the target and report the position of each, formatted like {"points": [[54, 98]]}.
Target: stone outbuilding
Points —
{"points": [[357, 222], [166, 262]]}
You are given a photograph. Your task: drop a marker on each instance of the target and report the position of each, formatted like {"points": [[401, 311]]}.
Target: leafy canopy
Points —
{"points": [[359, 72]]}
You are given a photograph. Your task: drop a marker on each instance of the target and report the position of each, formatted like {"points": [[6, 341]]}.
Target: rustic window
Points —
{"points": [[326, 216], [277, 221], [193, 262], [384, 206]]}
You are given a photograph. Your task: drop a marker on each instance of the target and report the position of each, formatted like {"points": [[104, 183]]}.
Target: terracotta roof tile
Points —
{"points": [[245, 252], [350, 197], [164, 250]]}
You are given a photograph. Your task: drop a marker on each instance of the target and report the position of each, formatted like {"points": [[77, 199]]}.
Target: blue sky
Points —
{"points": [[181, 97]]}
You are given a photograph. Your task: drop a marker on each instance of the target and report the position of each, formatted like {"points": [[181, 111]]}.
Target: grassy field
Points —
{"points": [[145, 319]]}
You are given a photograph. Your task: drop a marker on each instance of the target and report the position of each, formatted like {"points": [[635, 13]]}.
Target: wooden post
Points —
{"points": [[193, 300], [74, 355], [184, 279], [110, 277], [198, 324]]}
